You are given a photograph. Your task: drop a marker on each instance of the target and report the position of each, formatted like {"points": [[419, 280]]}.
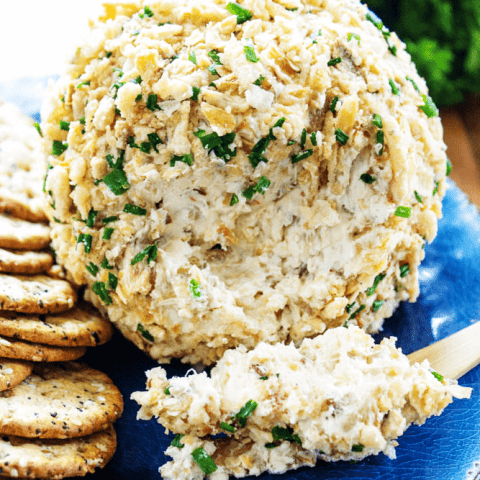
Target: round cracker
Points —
{"points": [[24, 262], [81, 326], [12, 372], [22, 235], [35, 294], [55, 459], [60, 401], [37, 352]]}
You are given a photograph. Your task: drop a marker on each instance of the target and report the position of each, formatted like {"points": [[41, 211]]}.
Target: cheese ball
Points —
{"points": [[223, 174]]}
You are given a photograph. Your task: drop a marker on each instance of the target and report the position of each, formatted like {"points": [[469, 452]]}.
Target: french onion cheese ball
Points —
{"points": [[221, 174]]}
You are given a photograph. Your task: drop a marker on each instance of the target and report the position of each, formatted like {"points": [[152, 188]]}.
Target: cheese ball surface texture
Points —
{"points": [[225, 174]]}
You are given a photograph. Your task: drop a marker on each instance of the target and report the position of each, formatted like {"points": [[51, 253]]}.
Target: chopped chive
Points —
{"points": [[418, 197], [136, 32], [196, 91], [249, 192], [370, 291], [435, 190], [112, 280], [106, 265], [301, 156], [355, 36], [358, 448], [449, 167], [437, 376], [394, 87], [220, 145], [250, 54], [145, 333], [195, 289], [313, 139], [117, 181], [429, 108], [92, 217], [108, 233], [150, 252], [146, 147], [371, 17], [86, 239], [377, 304], [259, 80], [107, 220], [227, 427], [282, 433], [176, 441], [415, 86], [58, 147], [349, 307], [108, 54], [131, 142], [333, 105], [213, 54], [64, 125], [403, 212], [380, 140], [148, 12], [204, 461], [271, 445], [356, 312], [100, 289], [262, 185], [341, 136], [138, 97], [256, 156], [82, 120], [303, 138], [365, 177], [92, 269], [187, 158], [404, 270], [264, 377], [334, 61], [134, 210], [192, 57], [152, 102], [242, 14], [80, 85], [377, 120], [154, 140], [39, 130], [245, 412], [213, 71], [166, 391], [234, 199]]}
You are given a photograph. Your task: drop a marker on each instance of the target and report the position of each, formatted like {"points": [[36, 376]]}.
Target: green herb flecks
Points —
{"points": [[298, 157], [145, 333], [303, 138], [341, 136], [367, 178], [227, 427], [349, 307], [195, 289], [166, 391], [380, 141], [418, 197], [437, 376], [176, 441], [65, 126], [370, 291], [192, 57], [213, 54], [49, 167], [152, 102], [154, 140], [257, 154], [334, 61], [117, 181], [106, 265], [429, 108], [245, 412], [86, 83], [196, 92], [260, 187], [100, 289], [356, 312], [394, 87], [218, 145], [92, 269], [146, 13], [404, 212], [371, 17], [204, 461], [112, 280], [404, 270], [86, 239], [377, 120], [377, 304], [242, 14], [108, 220], [92, 217], [58, 148], [187, 158], [134, 209], [435, 190], [282, 433], [107, 234], [353, 35], [150, 252], [358, 448], [233, 199], [39, 130], [333, 105], [259, 80], [449, 167], [250, 54]]}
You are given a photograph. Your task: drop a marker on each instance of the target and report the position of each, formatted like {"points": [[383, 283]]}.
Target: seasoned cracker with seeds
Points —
{"points": [[60, 401], [37, 352], [55, 459], [35, 294], [29, 263], [12, 372], [20, 234], [81, 326], [21, 166]]}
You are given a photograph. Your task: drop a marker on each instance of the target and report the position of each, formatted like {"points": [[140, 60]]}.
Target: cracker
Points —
{"points": [[24, 262], [60, 401], [35, 294], [21, 166], [81, 326], [37, 352], [22, 235], [55, 459], [12, 372]]}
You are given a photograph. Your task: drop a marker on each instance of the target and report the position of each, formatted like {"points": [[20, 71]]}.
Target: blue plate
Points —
{"points": [[445, 448]]}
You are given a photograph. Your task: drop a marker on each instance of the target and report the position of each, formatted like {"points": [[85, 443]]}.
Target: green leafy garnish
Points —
{"points": [[415, 86], [166, 391], [100, 289], [213, 54], [92, 269], [243, 15], [187, 158], [150, 252], [333, 105], [234, 199], [378, 279], [437, 376], [365, 177], [261, 146], [418, 197], [145, 333], [195, 289], [196, 92], [64, 125], [355, 36], [92, 217], [108, 233], [334, 61], [86, 239], [58, 148], [152, 102], [341, 136], [356, 312], [39, 130], [377, 120], [259, 80], [404, 270], [245, 412], [176, 441], [371, 17], [281, 433], [134, 210], [380, 140], [86, 83], [117, 181], [394, 87], [108, 220], [449, 167], [213, 71], [377, 305], [349, 307], [260, 187], [219, 145], [435, 190], [301, 156], [358, 448], [112, 280], [192, 57], [264, 377], [146, 13], [154, 140], [204, 461], [403, 212], [227, 427], [303, 138], [313, 139], [250, 54], [429, 108], [106, 265]]}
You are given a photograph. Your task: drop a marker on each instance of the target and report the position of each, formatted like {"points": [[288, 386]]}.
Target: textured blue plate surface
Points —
{"points": [[445, 448]]}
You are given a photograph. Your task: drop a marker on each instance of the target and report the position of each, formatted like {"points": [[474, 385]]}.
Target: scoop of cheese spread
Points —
{"points": [[336, 397], [227, 174]]}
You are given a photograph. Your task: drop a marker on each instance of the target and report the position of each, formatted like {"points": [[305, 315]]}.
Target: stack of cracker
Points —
{"points": [[56, 415]]}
